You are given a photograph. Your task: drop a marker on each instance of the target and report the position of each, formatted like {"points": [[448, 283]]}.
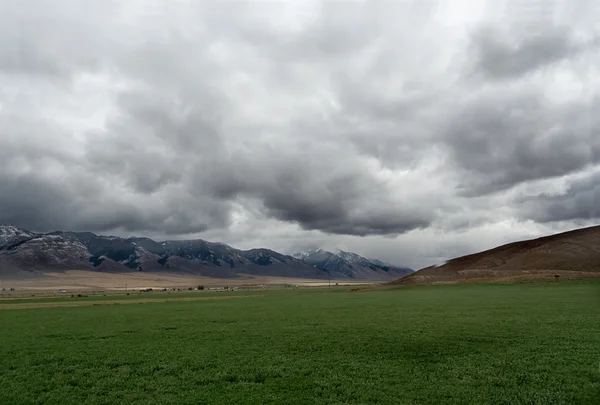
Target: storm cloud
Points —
{"points": [[415, 131], [577, 203], [504, 55]]}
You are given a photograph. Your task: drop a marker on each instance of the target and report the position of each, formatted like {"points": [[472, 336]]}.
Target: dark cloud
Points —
{"points": [[32, 202], [316, 188], [323, 197], [504, 54], [501, 140], [37, 202], [578, 203], [154, 141]]}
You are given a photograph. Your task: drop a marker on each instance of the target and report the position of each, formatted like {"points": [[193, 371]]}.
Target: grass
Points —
{"points": [[73, 297], [534, 343]]}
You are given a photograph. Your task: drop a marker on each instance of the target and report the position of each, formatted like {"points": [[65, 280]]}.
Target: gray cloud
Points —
{"points": [[507, 54], [334, 198], [57, 40], [366, 124], [579, 202], [502, 139]]}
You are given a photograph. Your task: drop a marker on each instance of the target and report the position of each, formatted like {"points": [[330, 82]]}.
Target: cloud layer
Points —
{"points": [[415, 131]]}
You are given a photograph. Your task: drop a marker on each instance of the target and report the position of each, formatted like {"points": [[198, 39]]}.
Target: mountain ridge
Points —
{"points": [[23, 252], [348, 263]]}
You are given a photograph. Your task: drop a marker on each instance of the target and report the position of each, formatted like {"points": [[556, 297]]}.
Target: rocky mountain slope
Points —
{"points": [[24, 253], [12, 234], [350, 264], [567, 255]]}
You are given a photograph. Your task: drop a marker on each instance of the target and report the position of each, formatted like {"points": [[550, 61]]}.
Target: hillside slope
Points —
{"points": [[569, 254]]}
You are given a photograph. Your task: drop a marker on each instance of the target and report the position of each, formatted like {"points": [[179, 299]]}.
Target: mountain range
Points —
{"points": [[26, 254], [573, 254], [346, 263]]}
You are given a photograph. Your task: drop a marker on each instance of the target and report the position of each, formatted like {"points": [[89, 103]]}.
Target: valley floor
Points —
{"points": [[83, 280], [528, 343]]}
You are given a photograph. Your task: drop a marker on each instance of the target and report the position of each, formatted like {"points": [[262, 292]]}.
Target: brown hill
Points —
{"points": [[571, 254]]}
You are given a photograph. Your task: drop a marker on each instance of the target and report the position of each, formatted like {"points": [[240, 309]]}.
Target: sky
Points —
{"points": [[409, 131]]}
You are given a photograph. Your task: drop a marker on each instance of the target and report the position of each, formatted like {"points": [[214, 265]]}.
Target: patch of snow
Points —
{"points": [[9, 232], [350, 257], [303, 255]]}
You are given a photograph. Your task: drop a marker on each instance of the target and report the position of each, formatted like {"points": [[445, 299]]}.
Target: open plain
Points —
{"points": [[524, 343]]}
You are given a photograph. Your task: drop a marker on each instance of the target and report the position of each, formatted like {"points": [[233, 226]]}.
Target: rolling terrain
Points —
{"points": [[29, 255], [572, 254]]}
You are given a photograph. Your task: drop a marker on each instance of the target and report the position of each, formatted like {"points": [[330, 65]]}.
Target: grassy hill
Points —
{"points": [[573, 254]]}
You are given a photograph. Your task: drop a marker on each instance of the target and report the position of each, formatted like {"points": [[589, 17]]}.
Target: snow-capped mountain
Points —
{"points": [[20, 248], [350, 264], [57, 251], [12, 234]]}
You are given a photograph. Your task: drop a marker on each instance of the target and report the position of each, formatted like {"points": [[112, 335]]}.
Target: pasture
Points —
{"points": [[529, 343]]}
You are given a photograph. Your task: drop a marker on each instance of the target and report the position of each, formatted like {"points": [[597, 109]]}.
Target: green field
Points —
{"points": [[530, 343]]}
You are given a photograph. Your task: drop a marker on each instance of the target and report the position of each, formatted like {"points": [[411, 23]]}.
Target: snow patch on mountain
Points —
{"points": [[351, 257], [349, 264], [12, 234]]}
